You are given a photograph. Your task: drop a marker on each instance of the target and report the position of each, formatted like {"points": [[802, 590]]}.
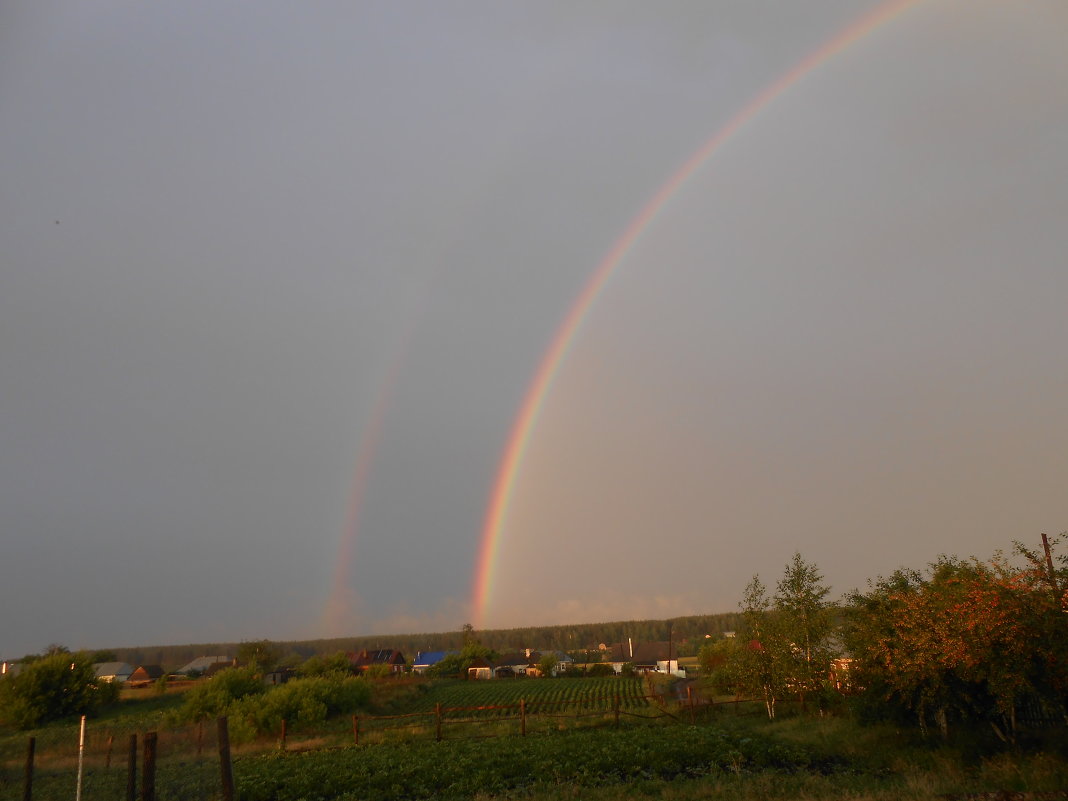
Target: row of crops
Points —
{"points": [[503, 708], [539, 695]]}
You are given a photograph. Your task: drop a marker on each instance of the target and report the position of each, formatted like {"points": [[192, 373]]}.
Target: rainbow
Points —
{"points": [[339, 605], [526, 419]]}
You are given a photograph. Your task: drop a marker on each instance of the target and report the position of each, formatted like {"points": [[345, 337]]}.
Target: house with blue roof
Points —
{"points": [[427, 659]]}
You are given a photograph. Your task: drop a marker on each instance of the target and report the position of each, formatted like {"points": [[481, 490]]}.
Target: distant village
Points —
{"points": [[612, 659]]}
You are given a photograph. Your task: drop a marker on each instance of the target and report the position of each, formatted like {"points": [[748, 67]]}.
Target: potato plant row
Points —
{"points": [[540, 695]]}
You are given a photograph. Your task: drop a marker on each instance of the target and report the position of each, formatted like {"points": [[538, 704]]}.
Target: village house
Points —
{"points": [[113, 671], [646, 657], [365, 660], [424, 660], [144, 675], [203, 665]]}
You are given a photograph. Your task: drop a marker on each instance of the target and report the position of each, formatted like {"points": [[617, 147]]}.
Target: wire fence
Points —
{"points": [[193, 763], [113, 763]]}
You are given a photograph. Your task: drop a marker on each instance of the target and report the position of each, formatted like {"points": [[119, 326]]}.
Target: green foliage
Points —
{"points": [[240, 695], [715, 659], [592, 693], [968, 640], [54, 687], [547, 664], [380, 671], [261, 653], [301, 702], [786, 640], [213, 697], [455, 665], [805, 619], [513, 766], [326, 665], [600, 669], [761, 658]]}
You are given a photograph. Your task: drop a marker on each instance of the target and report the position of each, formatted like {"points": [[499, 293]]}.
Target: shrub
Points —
{"points": [[54, 687], [214, 696], [338, 664], [304, 701], [600, 669]]}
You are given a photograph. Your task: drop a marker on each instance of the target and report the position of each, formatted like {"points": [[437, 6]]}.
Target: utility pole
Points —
{"points": [[1049, 565], [671, 637]]}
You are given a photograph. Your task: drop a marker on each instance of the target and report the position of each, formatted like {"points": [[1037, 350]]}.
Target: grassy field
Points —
{"points": [[737, 755], [743, 757]]}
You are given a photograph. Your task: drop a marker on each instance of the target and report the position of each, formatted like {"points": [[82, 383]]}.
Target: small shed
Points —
{"points": [[145, 674], [480, 669]]}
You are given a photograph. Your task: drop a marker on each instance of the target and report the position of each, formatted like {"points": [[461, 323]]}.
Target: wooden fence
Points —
{"points": [[148, 765]]}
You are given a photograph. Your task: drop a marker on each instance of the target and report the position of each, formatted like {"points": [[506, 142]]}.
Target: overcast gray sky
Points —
{"points": [[276, 277]]}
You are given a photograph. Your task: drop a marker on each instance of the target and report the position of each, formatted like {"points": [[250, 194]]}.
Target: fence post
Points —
{"points": [[131, 770], [615, 704], [107, 759], [226, 767], [27, 785], [148, 772], [437, 718], [283, 742], [693, 712], [81, 760], [523, 716], [356, 728], [200, 738]]}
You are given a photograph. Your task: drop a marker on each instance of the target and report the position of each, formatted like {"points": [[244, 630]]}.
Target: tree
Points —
{"points": [[54, 687], [264, 654], [805, 620], [759, 661], [547, 664], [969, 640], [337, 664], [715, 659], [469, 635]]}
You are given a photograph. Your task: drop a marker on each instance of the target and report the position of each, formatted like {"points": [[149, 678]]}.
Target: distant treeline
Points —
{"points": [[688, 633]]}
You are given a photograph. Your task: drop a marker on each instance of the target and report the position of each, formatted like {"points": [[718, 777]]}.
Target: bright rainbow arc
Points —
{"points": [[518, 440]]}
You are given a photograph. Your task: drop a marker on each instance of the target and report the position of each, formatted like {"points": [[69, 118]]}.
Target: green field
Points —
{"points": [[541, 695], [731, 754]]}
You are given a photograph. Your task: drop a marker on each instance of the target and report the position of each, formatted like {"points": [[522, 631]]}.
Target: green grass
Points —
{"points": [[734, 755], [747, 759]]}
